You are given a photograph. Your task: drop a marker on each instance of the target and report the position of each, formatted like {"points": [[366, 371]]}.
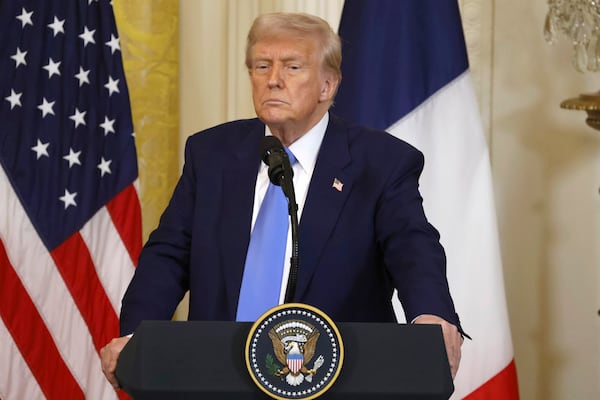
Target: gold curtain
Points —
{"points": [[149, 38]]}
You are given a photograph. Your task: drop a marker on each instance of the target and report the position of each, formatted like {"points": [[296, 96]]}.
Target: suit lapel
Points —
{"points": [[239, 180], [324, 201]]}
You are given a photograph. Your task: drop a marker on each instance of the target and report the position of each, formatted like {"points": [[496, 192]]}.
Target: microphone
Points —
{"points": [[274, 155], [281, 174]]}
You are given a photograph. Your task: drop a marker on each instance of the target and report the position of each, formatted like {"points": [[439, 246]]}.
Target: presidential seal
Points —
{"points": [[294, 351]]}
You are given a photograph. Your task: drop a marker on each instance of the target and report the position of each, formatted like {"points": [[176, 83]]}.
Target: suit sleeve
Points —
{"points": [[413, 255], [161, 278]]}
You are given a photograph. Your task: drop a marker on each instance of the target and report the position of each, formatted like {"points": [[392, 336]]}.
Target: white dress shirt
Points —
{"points": [[305, 150]]}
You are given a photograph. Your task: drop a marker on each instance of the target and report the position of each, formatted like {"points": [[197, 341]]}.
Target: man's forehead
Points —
{"points": [[283, 47]]}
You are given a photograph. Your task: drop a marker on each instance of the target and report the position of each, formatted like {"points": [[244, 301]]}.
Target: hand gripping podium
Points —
{"points": [[205, 360]]}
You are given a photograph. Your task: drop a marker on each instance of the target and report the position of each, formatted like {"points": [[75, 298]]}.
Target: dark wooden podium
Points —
{"points": [[205, 360]]}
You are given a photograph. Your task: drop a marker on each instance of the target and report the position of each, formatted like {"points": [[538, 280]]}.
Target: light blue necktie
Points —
{"points": [[263, 272]]}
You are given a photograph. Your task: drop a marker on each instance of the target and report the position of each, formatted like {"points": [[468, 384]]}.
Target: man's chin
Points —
{"points": [[273, 120]]}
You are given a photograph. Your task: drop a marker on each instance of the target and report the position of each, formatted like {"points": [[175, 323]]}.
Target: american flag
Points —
{"points": [[70, 220]]}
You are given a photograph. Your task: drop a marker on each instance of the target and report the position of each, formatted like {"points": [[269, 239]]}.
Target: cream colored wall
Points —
{"points": [[545, 161], [546, 164]]}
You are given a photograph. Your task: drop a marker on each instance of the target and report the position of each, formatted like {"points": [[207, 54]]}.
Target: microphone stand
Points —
{"points": [[281, 174], [287, 185]]}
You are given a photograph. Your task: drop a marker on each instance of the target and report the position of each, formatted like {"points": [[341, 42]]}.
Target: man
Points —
{"points": [[362, 230]]}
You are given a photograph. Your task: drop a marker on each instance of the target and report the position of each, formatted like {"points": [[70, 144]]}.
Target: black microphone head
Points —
{"points": [[269, 145], [274, 155]]}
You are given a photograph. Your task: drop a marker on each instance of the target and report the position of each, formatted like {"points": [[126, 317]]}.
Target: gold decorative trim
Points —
{"points": [[149, 36], [588, 102]]}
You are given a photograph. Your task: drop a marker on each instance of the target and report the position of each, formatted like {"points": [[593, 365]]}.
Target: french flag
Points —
{"points": [[405, 70]]}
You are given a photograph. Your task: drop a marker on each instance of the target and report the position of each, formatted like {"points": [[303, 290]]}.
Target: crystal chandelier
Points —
{"points": [[579, 20]]}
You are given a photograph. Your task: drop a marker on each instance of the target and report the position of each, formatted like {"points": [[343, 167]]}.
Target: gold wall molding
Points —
{"points": [[149, 38]]}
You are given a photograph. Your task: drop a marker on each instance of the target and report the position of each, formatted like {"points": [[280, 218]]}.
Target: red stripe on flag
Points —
{"points": [[73, 260], [31, 336], [122, 395], [128, 223], [503, 386]]}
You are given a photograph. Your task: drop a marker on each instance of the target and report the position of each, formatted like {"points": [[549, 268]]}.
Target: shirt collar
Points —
{"points": [[306, 148]]}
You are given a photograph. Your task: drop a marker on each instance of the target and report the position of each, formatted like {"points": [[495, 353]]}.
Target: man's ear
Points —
{"points": [[329, 88]]}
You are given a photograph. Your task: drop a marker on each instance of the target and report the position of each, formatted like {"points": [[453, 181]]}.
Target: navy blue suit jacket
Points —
{"points": [[356, 245]]}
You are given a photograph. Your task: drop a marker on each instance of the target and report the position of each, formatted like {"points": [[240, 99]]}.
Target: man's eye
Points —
{"points": [[260, 67]]}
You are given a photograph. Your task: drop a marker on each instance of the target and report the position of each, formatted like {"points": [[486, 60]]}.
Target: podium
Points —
{"points": [[199, 359]]}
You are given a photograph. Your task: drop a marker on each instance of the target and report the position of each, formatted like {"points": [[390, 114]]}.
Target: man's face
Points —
{"points": [[290, 90]]}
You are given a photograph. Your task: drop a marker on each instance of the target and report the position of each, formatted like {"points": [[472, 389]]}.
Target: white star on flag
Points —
{"points": [[14, 99], [87, 36], [58, 26], [112, 85], [108, 125], [113, 43], [46, 107], [52, 68], [69, 199], [104, 167], [78, 117], [72, 157], [83, 76], [25, 18], [19, 57], [41, 149]]}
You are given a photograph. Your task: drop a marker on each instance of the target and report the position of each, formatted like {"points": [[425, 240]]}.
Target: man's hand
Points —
{"points": [[452, 339], [109, 355]]}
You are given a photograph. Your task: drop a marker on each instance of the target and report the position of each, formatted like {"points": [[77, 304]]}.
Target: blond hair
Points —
{"points": [[299, 24]]}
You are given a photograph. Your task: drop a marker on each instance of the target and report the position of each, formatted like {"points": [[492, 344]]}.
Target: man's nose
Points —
{"points": [[276, 77]]}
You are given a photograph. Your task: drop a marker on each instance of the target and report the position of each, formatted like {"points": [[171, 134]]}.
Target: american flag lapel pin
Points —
{"points": [[337, 185]]}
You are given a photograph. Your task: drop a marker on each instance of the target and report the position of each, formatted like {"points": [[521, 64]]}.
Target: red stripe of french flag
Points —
{"points": [[503, 385]]}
